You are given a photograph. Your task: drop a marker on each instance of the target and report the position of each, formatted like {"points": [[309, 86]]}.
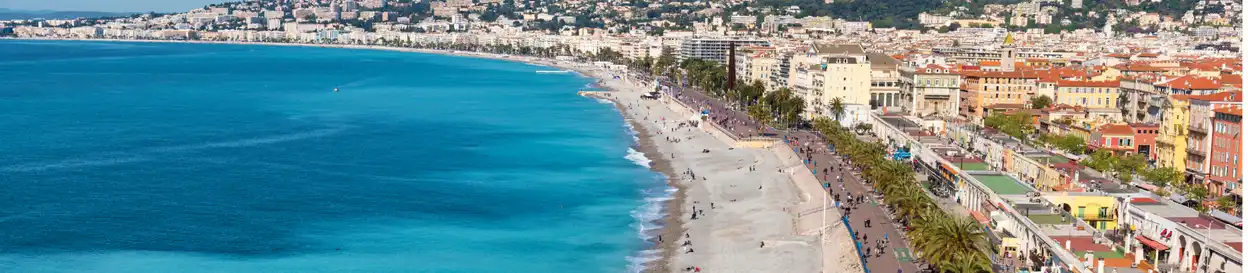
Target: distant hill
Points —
{"points": [[11, 14]]}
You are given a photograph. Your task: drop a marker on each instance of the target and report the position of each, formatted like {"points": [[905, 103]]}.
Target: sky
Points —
{"points": [[108, 5]]}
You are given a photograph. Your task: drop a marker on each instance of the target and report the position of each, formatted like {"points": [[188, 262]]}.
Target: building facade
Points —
{"points": [[1089, 94], [713, 49], [1226, 174], [931, 90], [982, 91]]}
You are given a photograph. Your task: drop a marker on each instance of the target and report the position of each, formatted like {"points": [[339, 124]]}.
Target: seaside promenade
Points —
{"points": [[896, 255]]}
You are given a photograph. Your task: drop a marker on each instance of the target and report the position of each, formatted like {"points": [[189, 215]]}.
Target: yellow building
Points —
{"points": [[1090, 94], [1097, 210], [1172, 140], [756, 63]]}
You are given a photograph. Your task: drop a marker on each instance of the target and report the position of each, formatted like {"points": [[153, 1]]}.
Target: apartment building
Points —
{"points": [[931, 90], [1139, 101], [713, 49], [1225, 172], [1200, 122], [1172, 141], [1090, 94], [885, 81], [756, 64], [827, 72], [982, 91]]}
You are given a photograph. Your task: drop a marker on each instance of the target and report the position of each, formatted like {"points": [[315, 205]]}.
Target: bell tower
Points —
{"points": [[1007, 53]]}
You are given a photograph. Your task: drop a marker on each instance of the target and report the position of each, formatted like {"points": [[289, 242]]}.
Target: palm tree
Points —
{"points": [[968, 263], [945, 240], [838, 108]]}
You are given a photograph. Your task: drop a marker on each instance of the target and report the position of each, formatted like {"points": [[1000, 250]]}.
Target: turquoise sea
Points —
{"points": [[169, 157]]}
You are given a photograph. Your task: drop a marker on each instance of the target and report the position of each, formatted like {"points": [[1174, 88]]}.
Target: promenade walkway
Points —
{"points": [[896, 255]]}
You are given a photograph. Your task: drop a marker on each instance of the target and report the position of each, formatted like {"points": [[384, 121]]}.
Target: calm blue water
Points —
{"points": [[146, 157]]}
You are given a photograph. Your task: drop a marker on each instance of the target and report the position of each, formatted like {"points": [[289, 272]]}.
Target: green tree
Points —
{"points": [[1227, 204], [1018, 125], [838, 108], [1069, 143], [1041, 102], [1126, 166], [760, 113], [1101, 161], [1162, 177]]}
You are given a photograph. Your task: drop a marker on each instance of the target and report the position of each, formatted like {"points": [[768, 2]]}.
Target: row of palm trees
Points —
{"points": [[949, 243], [779, 108]]}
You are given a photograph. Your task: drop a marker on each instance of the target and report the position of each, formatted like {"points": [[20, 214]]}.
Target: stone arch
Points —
{"points": [[1181, 250], [1196, 256]]}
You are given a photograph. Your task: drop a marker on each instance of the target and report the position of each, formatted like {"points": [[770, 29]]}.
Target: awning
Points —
{"points": [[1147, 187], [948, 168], [979, 217], [1150, 243]]}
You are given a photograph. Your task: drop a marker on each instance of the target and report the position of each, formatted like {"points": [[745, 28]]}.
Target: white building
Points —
{"points": [[713, 49]]}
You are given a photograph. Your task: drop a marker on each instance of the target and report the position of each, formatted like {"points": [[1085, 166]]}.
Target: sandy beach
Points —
{"points": [[757, 207]]}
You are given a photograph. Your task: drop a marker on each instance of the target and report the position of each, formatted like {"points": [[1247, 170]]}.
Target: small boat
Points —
{"points": [[335, 90]]}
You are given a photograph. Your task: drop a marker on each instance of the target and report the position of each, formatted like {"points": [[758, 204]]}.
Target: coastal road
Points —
{"points": [[896, 256]]}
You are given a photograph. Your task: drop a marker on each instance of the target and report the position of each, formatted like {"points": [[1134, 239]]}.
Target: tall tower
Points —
{"points": [[1007, 52], [732, 64]]}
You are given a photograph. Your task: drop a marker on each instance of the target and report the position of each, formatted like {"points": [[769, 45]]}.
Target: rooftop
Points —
{"points": [[1002, 185]]}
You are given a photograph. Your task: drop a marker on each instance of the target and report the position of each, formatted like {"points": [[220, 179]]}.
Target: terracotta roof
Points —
{"points": [[1230, 110], [1138, 67], [1190, 82], [1222, 96], [998, 74], [1138, 200], [1061, 83], [1065, 107], [1231, 79], [1117, 129], [1006, 106], [989, 63], [1149, 55]]}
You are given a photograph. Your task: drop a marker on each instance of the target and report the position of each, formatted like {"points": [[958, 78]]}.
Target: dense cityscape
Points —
{"points": [[1084, 136]]}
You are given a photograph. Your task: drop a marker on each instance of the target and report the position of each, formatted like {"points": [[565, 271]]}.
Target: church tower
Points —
{"points": [[1007, 53]]}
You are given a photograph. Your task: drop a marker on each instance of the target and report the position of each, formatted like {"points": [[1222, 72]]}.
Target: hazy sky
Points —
{"points": [[107, 5]]}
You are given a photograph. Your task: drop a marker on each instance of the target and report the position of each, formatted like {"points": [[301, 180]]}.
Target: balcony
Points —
{"points": [[1198, 128], [1157, 101], [1194, 151]]}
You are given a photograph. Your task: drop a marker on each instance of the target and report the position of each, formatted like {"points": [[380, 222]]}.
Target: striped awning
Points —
{"points": [[980, 217], [1150, 243]]}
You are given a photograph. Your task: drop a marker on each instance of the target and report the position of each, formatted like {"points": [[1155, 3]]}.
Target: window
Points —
{"points": [[1104, 213]]}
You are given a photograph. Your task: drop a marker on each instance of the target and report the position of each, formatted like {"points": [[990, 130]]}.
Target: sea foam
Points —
{"points": [[638, 158], [649, 223]]}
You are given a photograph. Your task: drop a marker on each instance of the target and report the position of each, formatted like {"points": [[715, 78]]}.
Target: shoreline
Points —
{"points": [[671, 222], [646, 144], [718, 233], [530, 60], [673, 225]]}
